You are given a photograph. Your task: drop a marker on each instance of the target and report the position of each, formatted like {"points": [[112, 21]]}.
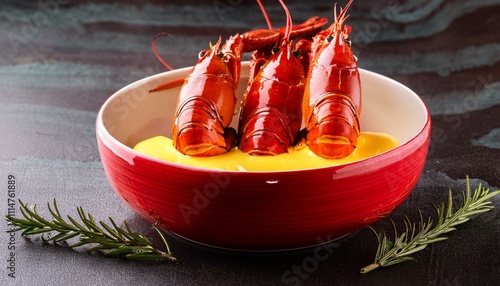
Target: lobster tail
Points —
{"points": [[271, 111], [199, 129], [267, 132], [336, 126]]}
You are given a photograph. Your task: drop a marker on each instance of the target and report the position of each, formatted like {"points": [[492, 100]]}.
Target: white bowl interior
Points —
{"points": [[134, 114]]}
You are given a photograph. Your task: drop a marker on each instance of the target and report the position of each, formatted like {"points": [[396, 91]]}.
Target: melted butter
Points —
{"points": [[369, 144]]}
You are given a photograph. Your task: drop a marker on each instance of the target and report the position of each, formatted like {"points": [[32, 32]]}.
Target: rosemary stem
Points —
{"points": [[169, 257], [369, 268]]}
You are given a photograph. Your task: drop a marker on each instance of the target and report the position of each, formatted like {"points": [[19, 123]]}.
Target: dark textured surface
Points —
{"points": [[60, 60]]}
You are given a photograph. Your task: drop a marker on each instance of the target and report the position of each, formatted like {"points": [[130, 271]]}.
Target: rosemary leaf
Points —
{"points": [[100, 247], [37, 231], [111, 231], [144, 257], [112, 241], [63, 237], [416, 238], [123, 249]]}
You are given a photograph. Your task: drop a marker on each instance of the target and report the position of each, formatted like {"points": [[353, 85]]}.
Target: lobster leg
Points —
{"points": [[268, 38], [263, 42]]}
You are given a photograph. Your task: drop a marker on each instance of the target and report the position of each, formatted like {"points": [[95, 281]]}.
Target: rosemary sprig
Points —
{"points": [[417, 236], [110, 240]]}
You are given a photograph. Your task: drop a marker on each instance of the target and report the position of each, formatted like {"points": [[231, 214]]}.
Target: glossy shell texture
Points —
{"points": [[261, 211]]}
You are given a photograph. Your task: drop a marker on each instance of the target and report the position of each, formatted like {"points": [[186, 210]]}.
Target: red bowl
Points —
{"points": [[261, 210]]}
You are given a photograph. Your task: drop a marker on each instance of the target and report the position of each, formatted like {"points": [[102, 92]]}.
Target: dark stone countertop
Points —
{"points": [[60, 60]]}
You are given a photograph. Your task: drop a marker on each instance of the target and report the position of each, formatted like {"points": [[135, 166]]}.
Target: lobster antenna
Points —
{"points": [[341, 17], [263, 9], [288, 30], [158, 56]]}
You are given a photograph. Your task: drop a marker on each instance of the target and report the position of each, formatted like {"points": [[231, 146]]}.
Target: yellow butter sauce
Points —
{"points": [[369, 144]]}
